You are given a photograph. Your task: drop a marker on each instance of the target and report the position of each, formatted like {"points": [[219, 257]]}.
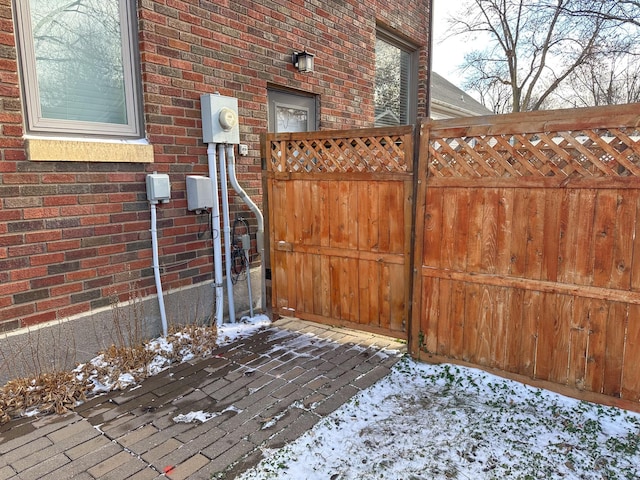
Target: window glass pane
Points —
{"points": [[291, 119], [78, 60], [392, 84]]}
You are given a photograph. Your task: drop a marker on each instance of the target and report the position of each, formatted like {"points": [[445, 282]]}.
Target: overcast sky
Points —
{"points": [[447, 55]]}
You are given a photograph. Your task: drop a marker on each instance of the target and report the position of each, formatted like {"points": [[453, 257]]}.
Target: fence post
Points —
{"points": [[419, 206]]}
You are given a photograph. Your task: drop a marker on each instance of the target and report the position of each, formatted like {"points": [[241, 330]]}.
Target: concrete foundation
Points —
{"points": [[62, 344]]}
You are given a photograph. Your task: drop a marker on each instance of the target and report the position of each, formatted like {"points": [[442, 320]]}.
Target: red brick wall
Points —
{"points": [[75, 235]]}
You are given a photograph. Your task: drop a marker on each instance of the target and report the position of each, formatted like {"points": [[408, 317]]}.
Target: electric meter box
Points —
{"points": [[158, 187], [199, 193], [219, 119]]}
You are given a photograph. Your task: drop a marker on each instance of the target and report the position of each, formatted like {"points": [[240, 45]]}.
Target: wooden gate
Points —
{"points": [[340, 210]]}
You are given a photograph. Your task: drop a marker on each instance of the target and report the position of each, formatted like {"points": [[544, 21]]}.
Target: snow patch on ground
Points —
{"points": [[449, 422], [229, 332]]}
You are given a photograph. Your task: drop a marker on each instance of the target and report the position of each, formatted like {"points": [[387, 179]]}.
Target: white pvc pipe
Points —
{"points": [[156, 268], [260, 234], [227, 229], [215, 233]]}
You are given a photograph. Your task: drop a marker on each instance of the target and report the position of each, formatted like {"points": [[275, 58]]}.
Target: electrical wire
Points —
{"points": [[239, 265]]}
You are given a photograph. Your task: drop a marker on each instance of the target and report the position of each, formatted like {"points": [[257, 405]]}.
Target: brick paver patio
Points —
{"points": [[261, 392]]}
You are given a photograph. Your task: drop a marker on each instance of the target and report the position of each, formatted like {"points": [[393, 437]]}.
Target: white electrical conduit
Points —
{"points": [[156, 268], [224, 191], [254, 208], [215, 233]]}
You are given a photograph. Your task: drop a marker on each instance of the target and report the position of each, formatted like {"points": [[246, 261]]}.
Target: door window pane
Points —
{"points": [[291, 119]]}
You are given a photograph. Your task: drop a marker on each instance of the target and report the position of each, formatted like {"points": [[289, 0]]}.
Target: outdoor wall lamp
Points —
{"points": [[303, 61]]}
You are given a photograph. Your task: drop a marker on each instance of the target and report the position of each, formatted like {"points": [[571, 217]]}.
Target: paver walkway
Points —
{"points": [[260, 392]]}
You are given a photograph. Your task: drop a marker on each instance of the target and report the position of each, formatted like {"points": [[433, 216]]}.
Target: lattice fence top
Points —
{"points": [[584, 153], [371, 154]]}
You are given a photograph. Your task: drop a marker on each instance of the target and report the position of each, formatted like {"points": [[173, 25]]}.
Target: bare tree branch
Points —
{"points": [[537, 47]]}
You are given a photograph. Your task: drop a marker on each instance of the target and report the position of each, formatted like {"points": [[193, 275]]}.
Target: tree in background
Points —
{"points": [[551, 53]]}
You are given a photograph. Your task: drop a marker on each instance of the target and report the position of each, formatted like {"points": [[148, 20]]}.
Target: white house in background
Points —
{"points": [[448, 101]]}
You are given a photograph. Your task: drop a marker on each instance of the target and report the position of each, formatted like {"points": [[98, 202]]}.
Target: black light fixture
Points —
{"points": [[303, 61]]}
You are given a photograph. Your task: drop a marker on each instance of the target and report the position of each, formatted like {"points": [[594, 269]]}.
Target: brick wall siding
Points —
{"points": [[74, 236]]}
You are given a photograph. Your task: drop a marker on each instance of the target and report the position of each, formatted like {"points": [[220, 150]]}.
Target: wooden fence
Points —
{"points": [[340, 211], [530, 259], [524, 257]]}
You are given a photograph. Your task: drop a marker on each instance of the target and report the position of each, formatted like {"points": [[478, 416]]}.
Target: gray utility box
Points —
{"points": [[199, 193], [220, 119]]}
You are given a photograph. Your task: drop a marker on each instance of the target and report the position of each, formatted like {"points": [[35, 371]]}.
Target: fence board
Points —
{"points": [[614, 350], [489, 233], [578, 344], [631, 360], [623, 240]]}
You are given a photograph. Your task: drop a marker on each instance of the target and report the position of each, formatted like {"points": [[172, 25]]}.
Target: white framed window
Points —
{"points": [[79, 65], [396, 82]]}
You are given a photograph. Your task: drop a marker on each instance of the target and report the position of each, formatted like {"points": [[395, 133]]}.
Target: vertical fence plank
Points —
{"points": [[622, 250], [353, 292], [429, 315], [367, 214], [474, 228], [583, 274], [384, 224], [604, 236], [397, 275], [500, 337], [535, 234], [505, 231], [567, 251], [578, 344], [514, 330], [529, 333], [433, 228], [518, 236], [335, 291], [613, 357], [490, 225], [396, 212], [635, 261], [564, 313], [384, 294], [554, 205], [485, 328], [326, 279], [443, 326], [596, 345], [457, 314], [630, 377], [368, 283]]}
